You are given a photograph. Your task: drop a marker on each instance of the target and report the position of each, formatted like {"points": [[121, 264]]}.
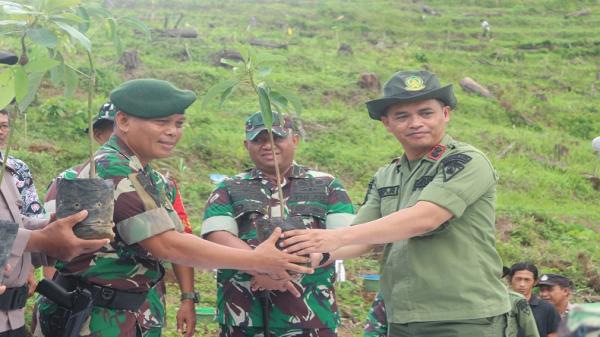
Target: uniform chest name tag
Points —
{"points": [[454, 164], [388, 191]]}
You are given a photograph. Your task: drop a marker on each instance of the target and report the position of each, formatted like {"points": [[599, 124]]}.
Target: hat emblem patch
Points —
{"points": [[414, 83]]}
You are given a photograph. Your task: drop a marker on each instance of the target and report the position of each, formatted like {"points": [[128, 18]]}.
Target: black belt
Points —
{"points": [[13, 298], [104, 296], [19, 332]]}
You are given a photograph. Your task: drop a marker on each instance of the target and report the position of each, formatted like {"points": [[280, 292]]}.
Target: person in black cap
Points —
{"points": [[557, 290], [522, 277], [434, 207]]}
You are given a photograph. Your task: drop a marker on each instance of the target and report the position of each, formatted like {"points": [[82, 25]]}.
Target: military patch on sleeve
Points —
{"points": [[388, 191], [437, 152], [454, 164], [422, 182], [523, 306]]}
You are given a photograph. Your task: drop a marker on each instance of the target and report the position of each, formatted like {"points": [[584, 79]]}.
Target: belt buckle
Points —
{"points": [[107, 294]]}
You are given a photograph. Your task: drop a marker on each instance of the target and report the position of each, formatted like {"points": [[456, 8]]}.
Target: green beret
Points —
{"points": [[150, 98]]}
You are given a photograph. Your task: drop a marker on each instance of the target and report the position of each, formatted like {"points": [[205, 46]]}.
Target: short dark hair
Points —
{"points": [[522, 266], [103, 124]]}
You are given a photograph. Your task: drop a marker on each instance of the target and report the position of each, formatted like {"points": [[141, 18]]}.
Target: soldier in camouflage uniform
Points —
{"points": [[154, 308], [376, 325], [583, 320], [148, 125], [232, 212]]}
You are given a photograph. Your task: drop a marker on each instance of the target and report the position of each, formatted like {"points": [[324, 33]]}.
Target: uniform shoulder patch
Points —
{"points": [[437, 152], [523, 306], [454, 164], [422, 182]]}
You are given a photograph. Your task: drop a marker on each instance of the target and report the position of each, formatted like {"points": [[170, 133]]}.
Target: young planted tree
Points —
{"points": [[52, 33], [246, 72]]}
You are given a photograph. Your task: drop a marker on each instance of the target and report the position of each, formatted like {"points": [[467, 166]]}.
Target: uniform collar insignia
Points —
{"points": [[437, 152]]}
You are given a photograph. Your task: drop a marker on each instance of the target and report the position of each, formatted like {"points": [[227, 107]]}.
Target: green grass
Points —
{"points": [[541, 67]]}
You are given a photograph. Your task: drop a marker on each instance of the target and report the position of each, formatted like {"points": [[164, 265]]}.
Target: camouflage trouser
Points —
{"points": [[376, 325], [240, 331], [103, 322]]}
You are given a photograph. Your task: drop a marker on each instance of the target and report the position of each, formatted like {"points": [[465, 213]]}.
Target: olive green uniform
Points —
{"points": [[520, 318], [447, 279]]}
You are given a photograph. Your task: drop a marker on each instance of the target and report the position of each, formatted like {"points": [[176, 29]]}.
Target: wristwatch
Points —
{"points": [[324, 259], [192, 295]]}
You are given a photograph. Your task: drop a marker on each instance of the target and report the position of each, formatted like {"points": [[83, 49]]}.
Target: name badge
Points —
{"points": [[388, 191]]}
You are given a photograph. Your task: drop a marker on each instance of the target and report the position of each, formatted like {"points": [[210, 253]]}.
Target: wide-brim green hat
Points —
{"points": [[410, 86], [151, 98], [255, 125]]}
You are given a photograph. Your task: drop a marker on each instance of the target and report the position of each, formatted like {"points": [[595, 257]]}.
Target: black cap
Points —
{"points": [[555, 280]]}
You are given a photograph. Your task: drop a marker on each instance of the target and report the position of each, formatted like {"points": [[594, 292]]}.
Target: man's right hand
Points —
{"points": [[58, 240], [265, 282], [277, 263]]}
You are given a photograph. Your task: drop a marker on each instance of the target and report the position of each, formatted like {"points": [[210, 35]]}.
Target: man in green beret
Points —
{"points": [[434, 208], [148, 125], [154, 308]]}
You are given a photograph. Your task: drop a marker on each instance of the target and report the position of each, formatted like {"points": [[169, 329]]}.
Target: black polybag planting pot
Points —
{"points": [[94, 195], [265, 227]]}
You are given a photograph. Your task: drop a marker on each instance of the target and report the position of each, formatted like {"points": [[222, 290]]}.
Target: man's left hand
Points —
{"points": [[306, 241], [31, 283], [186, 318]]}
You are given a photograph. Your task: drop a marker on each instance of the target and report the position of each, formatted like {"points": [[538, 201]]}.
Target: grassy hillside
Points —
{"points": [[541, 65]]}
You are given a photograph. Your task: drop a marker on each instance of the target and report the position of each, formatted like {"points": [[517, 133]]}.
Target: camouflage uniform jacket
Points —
{"points": [[142, 210], [237, 204]]}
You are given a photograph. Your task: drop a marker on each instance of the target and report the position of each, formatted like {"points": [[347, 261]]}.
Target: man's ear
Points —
{"points": [[122, 122], [447, 112], [386, 122], [296, 139]]}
